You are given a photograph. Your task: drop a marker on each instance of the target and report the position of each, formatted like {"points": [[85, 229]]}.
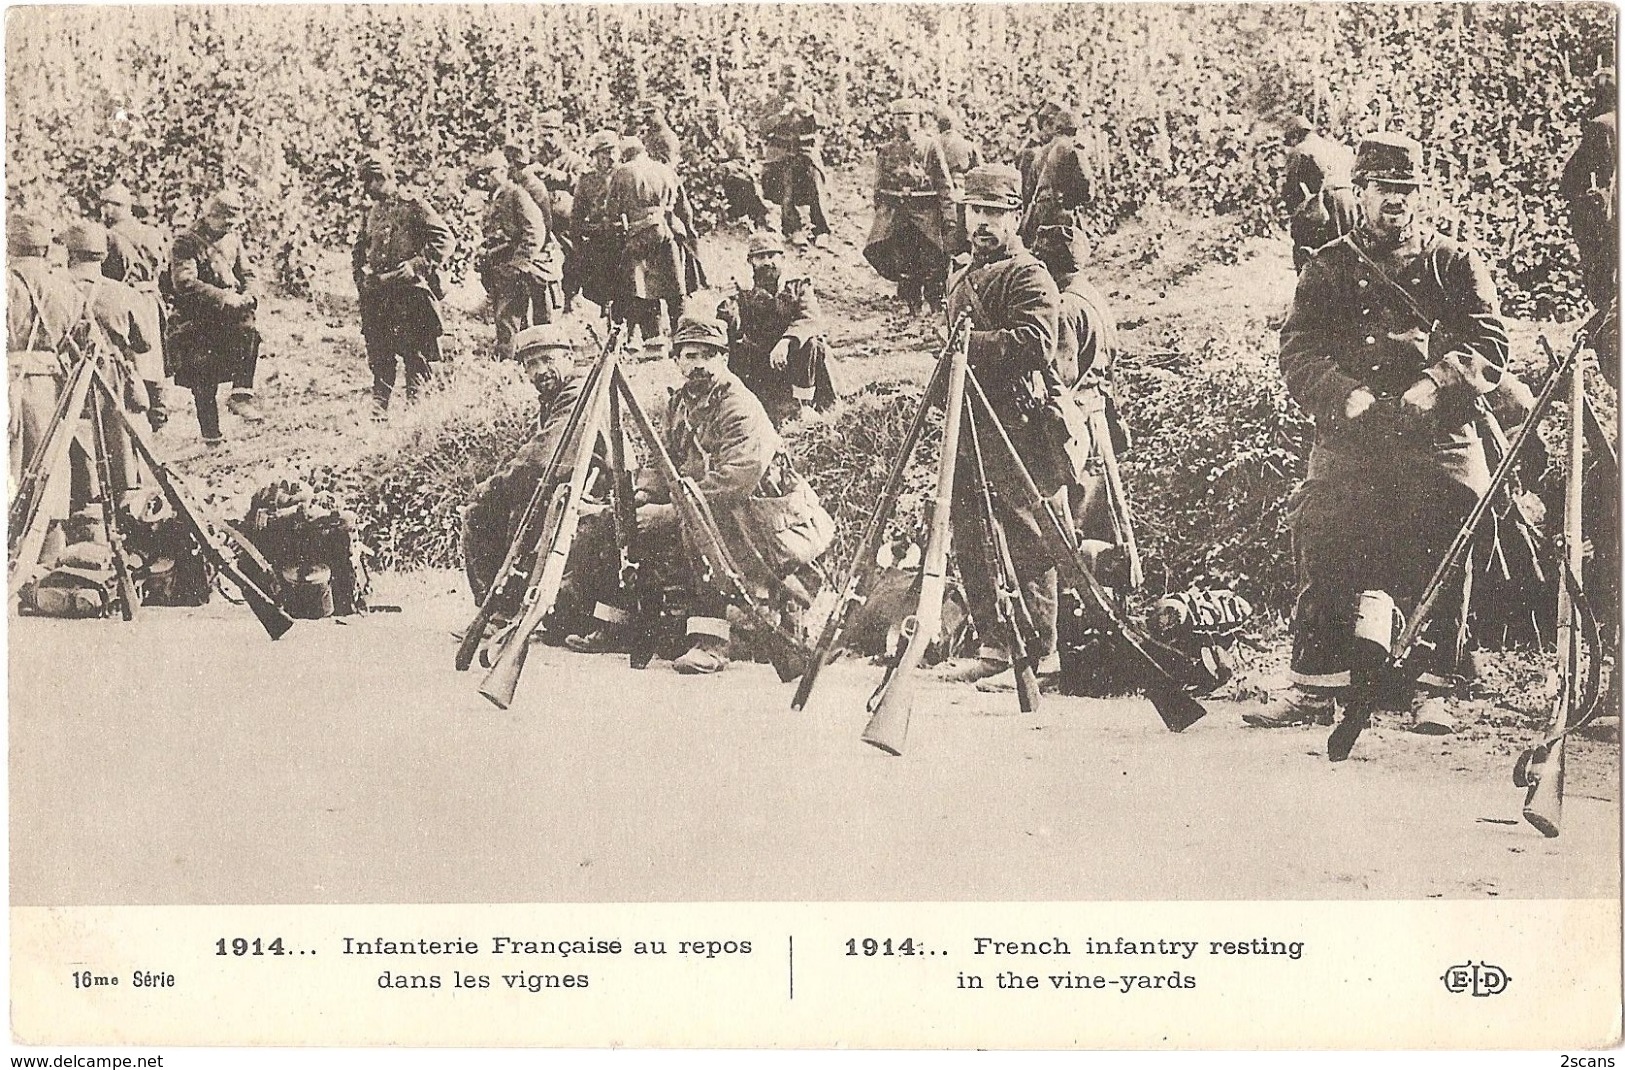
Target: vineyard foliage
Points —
{"points": [[1181, 102]]}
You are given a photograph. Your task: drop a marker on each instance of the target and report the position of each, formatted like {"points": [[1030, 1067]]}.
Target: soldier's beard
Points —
{"points": [[767, 278]]}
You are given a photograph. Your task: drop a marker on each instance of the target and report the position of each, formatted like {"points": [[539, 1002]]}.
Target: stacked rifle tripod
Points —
{"points": [[532, 570], [973, 434], [88, 410]]}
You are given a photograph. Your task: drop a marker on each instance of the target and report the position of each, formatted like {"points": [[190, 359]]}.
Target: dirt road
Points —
{"points": [[348, 763]]}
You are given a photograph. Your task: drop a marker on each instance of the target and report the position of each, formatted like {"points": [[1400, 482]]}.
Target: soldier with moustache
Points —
{"points": [[776, 343], [913, 196], [136, 256], [718, 435], [1397, 463], [1013, 306], [396, 264]]}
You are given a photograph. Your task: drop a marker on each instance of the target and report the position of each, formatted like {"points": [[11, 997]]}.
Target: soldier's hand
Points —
{"points": [[780, 356], [1422, 396], [1360, 399]]}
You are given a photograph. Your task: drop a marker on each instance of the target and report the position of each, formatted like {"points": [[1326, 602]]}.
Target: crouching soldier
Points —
{"points": [[489, 524], [719, 436], [775, 341]]}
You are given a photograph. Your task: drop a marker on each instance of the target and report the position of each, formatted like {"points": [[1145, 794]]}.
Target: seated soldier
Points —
{"points": [[489, 522], [719, 436], [775, 343]]}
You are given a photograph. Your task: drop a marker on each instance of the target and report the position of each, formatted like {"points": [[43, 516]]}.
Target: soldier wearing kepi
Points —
{"points": [[136, 257], [792, 166], [516, 262], [1397, 464], [913, 195], [719, 436], [120, 318], [42, 307], [559, 166], [1316, 190], [396, 262], [548, 356], [1013, 303], [212, 336], [776, 344], [589, 269]]}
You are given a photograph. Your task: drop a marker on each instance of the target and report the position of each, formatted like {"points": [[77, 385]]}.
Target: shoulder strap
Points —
{"points": [[1391, 284]]}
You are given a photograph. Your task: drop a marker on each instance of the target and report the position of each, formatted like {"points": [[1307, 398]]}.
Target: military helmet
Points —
{"points": [[86, 237], [764, 243], [541, 337], [26, 234], [693, 330]]}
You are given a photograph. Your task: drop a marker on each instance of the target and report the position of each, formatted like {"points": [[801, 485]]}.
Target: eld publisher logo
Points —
{"points": [[1479, 978]]}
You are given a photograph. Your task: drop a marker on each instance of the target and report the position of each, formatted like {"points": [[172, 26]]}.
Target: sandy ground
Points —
{"points": [[349, 763]]}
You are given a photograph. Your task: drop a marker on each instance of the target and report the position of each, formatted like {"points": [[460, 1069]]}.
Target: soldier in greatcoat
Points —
{"points": [[396, 264], [1590, 186], [1013, 305], [719, 436], [517, 261], [776, 343], [120, 322], [913, 195], [1316, 189], [43, 308], [212, 335], [652, 268], [1394, 336], [590, 268], [136, 256], [737, 169], [1063, 177], [792, 164]]}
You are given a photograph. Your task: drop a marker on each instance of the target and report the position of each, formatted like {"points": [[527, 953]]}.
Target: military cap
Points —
{"points": [[1388, 157], [540, 337], [491, 161], [1298, 125], [603, 141], [993, 185], [552, 119], [910, 106], [227, 202], [375, 164], [26, 233], [764, 242], [692, 330], [1067, 121], [117, 193], [86, 237]]}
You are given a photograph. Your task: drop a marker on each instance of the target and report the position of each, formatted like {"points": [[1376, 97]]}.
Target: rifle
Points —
{"points": [[892, 704], [29, 528], [1159, 666], [1012, 606], [633, 579], [506, 585], [860, 572], [104, 476], [1544, 764], [1117, 498], [211, 544], [547, 568], [709, 553]]}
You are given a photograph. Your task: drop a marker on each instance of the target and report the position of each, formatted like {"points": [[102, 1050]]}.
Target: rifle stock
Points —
{"points": [[128, 601], [893, 705], [1543, 804], [271, 616], [862, 568]]}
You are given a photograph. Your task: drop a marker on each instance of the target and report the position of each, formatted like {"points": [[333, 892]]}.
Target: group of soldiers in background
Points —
{"points": [[1393, 335]]}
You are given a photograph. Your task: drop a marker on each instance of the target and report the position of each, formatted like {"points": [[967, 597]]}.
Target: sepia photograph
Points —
{"points": [[659, 455]]}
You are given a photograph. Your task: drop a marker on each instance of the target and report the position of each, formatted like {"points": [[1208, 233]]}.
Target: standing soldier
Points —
{"points": [[741, 182], [1397, 463], [960, 154], [515, 262], [658, 138], [212, 336], [1590, 185], [120, 318], [136, 257], [913, 194], [651, 266], [1013, 306], [776, 345], [396, 263], [559, 166], [1063, 178], [720, 437], [43, 307], [1040, 128], [792, 167], [1316, 190], [589, 269]]}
